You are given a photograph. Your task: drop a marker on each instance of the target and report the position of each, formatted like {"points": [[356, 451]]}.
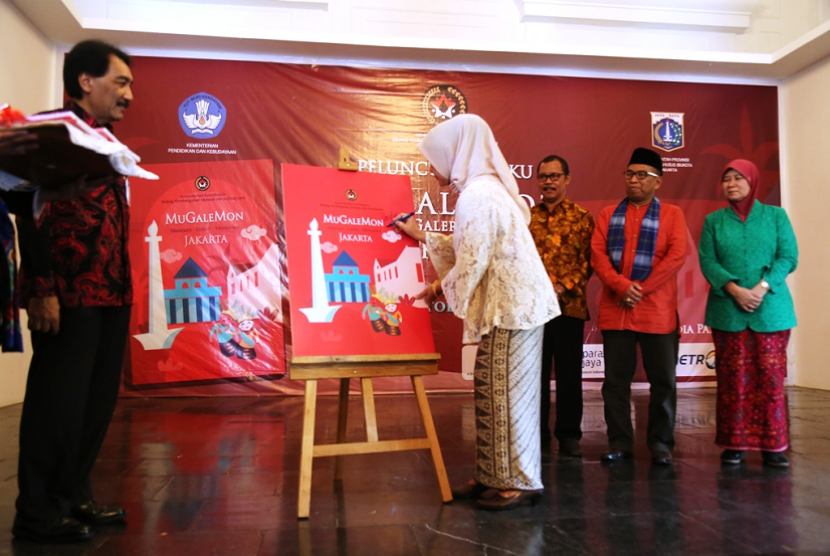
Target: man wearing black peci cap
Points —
{"points": [[637, 249]]}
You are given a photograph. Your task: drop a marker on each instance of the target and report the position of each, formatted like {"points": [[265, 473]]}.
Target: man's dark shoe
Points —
{"points": [[93, 514], [661, 457], [732, 457], [59, 530], [616, 455], [569, 448], [775, 459]]}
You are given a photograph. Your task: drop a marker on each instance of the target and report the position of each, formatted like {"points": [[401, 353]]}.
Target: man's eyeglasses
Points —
{"points": [[641, 175], [545, 177]]}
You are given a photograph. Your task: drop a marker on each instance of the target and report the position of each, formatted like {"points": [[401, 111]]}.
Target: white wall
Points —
{"points": [[805, 139], [26, 82]]}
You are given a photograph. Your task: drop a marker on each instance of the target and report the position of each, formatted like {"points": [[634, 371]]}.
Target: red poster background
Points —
{"points": [[305, 114], [226, 235], [325, 194]]}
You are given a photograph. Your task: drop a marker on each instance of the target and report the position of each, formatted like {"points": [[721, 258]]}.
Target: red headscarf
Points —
{"points": [[748, 170]]}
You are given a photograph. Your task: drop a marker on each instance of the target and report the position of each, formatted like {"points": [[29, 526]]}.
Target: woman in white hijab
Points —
{"points": [[494, 280]]}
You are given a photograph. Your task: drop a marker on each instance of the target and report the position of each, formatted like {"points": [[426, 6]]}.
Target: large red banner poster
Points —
{"points": [[353, 279], [206, 271], [199, 112]]}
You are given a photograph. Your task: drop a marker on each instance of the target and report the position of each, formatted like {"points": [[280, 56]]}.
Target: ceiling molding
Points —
{"points": [[60, 24], [310, 4], [733, 16]]}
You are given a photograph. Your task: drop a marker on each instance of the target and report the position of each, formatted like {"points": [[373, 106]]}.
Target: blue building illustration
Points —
{"points": [[192, 300], [345, 284]]}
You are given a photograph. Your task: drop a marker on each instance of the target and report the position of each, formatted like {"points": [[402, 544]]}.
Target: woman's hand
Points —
{"points": [[759, 290], [431, 292], [410, 227], [746, 299]]}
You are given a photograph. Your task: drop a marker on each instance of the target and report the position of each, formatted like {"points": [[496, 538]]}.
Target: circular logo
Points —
{"points": [[202, 116], [710, 359], [351, 194], [443, 102], [202, 183]]}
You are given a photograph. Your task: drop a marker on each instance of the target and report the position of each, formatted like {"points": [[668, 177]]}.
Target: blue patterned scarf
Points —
{"points": [[645, 244], [10, 338]]}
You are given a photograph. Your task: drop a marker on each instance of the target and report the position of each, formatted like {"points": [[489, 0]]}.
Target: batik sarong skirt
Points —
{"points": [[507, 390], [751, 409]]}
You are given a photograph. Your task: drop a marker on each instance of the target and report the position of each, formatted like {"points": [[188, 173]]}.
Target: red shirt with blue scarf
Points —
{"points": [[656, 313], [78, 249]]}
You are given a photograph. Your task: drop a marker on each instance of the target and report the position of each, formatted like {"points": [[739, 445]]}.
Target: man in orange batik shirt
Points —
{"points": [[562, 232]]}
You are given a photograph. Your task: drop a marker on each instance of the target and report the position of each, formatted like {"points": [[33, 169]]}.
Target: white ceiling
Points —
{"points": [[761, 40]]}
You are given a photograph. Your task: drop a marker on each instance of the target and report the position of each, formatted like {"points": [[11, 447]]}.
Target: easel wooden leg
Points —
{"points": [[307, 451], [304, 539], [342, 420], [369, 409], [435, 449]]}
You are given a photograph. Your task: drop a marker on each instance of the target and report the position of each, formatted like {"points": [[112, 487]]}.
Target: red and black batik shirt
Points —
{"points": [[77, 250]]}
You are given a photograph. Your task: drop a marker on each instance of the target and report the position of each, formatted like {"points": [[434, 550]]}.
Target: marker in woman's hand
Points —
{"points": [[403, 218]]}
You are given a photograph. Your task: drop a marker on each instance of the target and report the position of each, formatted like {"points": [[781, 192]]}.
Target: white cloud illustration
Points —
{"points": [[328, 247], [253, 232], [392, 236], [170, 256]]}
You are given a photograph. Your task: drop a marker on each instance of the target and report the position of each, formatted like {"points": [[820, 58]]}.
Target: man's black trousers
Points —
{"points": [[71, 391], [562, 346], [660, 363]]}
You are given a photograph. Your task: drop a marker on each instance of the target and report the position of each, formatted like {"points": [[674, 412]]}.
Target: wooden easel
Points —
{"points": [[364, 367]]}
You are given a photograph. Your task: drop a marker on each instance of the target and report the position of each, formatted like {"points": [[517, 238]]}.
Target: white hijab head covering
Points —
{"points": [[463, 148]]}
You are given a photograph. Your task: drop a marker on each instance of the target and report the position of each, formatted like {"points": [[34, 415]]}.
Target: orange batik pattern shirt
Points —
{"points": [[563, 239]]}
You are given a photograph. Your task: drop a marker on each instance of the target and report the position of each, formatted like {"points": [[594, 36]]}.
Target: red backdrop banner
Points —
{"points": [[198, 112]]}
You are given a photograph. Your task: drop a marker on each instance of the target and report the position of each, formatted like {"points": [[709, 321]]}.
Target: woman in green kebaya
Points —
{"points": [[747, 250]]}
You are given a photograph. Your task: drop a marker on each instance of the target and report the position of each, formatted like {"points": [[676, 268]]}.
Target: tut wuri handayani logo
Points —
{"points": [[667, 130], [443, 102], [202, 116]]}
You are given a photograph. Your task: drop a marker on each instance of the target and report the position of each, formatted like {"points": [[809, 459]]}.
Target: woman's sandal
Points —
{"points": [[470, 490], [517, 498]]}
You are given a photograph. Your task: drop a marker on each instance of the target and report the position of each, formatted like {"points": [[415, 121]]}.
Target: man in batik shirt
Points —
{"points": [[75, 283], [562, 232]]}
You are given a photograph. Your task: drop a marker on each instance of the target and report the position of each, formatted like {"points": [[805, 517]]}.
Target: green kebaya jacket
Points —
{"points": [[745, 252]]}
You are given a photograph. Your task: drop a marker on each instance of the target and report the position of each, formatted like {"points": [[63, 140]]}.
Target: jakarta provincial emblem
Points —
{"points": [[202, 116], [667, 130], [442, 102]]}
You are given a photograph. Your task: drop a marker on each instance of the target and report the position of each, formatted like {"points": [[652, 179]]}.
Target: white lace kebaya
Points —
{"points": [[489, 268]]}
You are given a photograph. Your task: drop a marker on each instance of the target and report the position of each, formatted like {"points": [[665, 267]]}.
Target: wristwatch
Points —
{"points": [[765, 284]]}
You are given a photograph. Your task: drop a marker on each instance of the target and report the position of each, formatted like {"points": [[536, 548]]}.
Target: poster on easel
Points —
{"points": [[353, 279], [206, 273]]}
